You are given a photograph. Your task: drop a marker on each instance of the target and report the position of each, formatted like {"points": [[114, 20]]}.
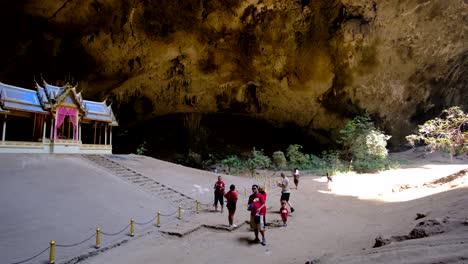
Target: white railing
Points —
{"points": [[55, 146], [21, 144], [67, 141], [95, 146]]}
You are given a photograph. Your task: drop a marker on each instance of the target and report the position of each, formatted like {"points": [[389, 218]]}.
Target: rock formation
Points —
{"points": [[314, 64]]}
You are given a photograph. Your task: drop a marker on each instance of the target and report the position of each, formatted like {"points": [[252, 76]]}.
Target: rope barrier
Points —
{"points": [[189, 210], [76, 244], [35, 256], [145, 223], [113, 234]]}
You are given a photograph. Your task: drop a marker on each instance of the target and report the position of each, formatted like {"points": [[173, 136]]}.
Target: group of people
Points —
{"points": [[256, 203]]}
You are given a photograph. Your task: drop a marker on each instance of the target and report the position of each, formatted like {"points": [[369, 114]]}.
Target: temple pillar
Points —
{"points": [[55, 124], [110, 136], [44, 132], [105, 134], [4, 128], [51, 128], [79, 132]]}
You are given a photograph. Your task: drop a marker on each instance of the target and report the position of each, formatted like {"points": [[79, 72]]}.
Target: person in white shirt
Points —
{"points": [[285, 192], [296, 177]]}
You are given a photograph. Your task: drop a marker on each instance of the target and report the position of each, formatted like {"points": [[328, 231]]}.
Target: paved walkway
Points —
{"points": [[66, 197]]}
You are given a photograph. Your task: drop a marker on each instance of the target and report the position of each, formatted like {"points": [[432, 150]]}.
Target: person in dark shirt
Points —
{"points": [[231, 198]]}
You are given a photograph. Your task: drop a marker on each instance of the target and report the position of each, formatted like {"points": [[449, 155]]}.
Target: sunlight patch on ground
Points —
{"points": [[396, 185]]}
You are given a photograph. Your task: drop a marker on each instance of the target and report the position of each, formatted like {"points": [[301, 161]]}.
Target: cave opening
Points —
{"points": [[213, 136]]}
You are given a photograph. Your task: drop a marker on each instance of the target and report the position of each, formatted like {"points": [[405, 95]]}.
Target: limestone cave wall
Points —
{"points": [[314, 64]]}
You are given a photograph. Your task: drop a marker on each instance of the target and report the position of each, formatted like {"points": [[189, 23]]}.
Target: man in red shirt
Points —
{"points": [[256, 204], [219, 194], [231, 198]]}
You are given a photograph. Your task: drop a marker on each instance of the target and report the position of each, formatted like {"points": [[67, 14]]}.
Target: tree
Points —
{"points": [[364, 146], [447, 133], [295, 156]]}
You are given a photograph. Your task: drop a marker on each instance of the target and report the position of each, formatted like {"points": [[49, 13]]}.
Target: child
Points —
{"points": [[284, 212]]}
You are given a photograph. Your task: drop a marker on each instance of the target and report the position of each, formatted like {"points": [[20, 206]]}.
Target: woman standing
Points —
{"points": [[296, 177], [231, 198]]}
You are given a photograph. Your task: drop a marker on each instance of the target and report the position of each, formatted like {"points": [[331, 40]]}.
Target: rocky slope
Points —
{"points": [[311, 63]]}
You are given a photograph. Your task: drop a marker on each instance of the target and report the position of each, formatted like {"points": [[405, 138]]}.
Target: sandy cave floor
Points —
{"points": [[333, 223]]}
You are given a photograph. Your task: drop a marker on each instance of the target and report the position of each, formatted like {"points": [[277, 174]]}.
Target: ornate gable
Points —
{"points": [[67, 96]]}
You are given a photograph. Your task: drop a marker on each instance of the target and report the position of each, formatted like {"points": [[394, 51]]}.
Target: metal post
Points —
{"points": [[110, 139], [98, 237], [132, 227], [158, 223], [198, 207], [52, 252], [79, 135], [44, 131], [180, 212]]}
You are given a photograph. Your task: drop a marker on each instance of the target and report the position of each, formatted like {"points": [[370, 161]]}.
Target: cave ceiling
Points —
{"points": [[314, 64]]}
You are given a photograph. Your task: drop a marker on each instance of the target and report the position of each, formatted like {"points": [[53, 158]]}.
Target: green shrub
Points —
{"points": [[364, 146], [449, 133], [232, 162], [331, 162], [141, 149], [296, 157], [257, 160], [279, 160]]}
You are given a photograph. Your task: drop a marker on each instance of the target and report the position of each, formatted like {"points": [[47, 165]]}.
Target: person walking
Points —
{"points": [[219, 194], [285, 191], [231, 198], [256, 203], [296, 177]]}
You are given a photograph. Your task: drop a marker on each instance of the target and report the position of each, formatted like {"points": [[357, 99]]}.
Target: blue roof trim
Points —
{"points": [[97, 117], [23, 107], [96, 107], [20, 99]]}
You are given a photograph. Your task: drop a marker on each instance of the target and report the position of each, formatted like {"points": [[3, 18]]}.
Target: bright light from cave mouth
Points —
{"points": [[397, 185]]}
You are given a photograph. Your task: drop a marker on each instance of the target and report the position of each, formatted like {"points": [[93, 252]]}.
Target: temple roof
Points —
{"points": [[48, 97], [16, 98], [99, 111]]}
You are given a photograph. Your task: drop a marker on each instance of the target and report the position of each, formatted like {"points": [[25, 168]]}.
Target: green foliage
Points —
{"points": [[295, 156], [364, 146], [449, 133], [331, 162], [279, 160], [232, 162], [257, 160], [141, 149]]}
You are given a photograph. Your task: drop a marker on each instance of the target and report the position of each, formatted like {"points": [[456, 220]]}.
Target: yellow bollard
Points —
{"points": [[98, 237], [132, 227], [245, 191], [266, 191], [180, 212], [158, 223], [52, 252], [198, 207]]}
